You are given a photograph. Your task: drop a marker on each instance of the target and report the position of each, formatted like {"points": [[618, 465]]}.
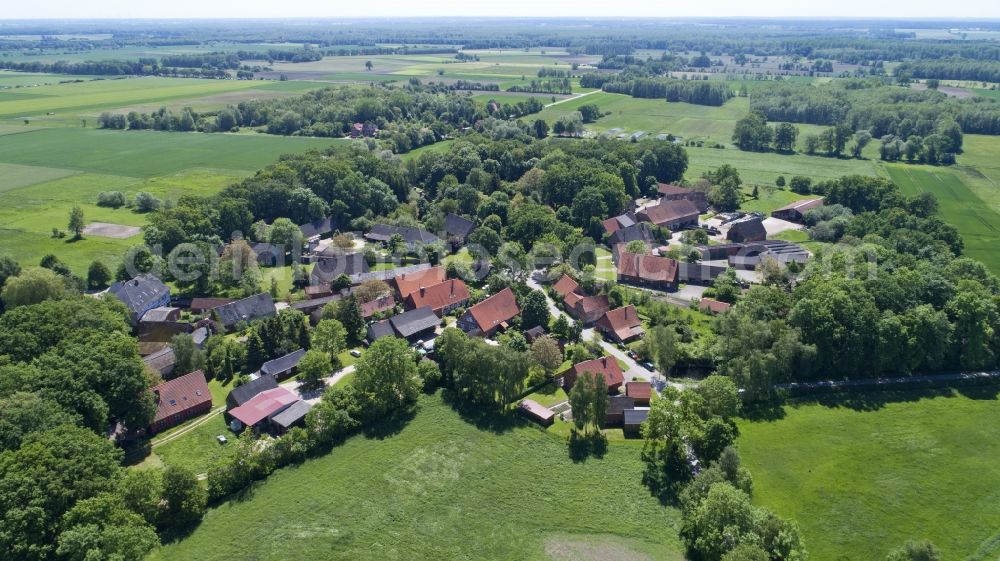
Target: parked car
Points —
{"points": [[355, 353], [649, 366], [222, 439]]}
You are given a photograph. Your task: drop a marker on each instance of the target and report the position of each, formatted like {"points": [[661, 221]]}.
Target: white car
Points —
{"points": [[222, 439], [355, 353]]}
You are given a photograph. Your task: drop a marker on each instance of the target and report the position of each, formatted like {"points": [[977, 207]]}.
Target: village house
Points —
{"points": [[442, 297], [606, 366], [457, 229], [377, 306], [647, 270], [633, 420], [586, 309], [293, 416], [245, 392], [641, 232], [491, 315], [180, 399], [141, 294], [615, 223], [419, 323], [203, 305], [621, 324], [413, 237], [406, 283], [749, 228], [795, 211], [673, 215], [269, 255], [258, 410], [712, 306], [670, 192], [641, 392], [565, 285], [230, 316], [283, 366], [614, 415], [161, 361], [332, 263]]}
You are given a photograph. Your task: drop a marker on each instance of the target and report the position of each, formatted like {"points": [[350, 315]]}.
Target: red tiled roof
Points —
{"points": [[565, 285], [647, 267], [671, 211], [571, 299], [408, 282], [209, 303], [263, 405], [638, 390], [621, 321], [181, 394], [713, 306], [495, 310], [368, 309], [591, 304], [607, 366], [439, 296], [611, 225]]}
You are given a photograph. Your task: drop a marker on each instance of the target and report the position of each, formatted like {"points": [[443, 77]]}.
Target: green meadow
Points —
{"points": [[442, 488], [864, 476]]}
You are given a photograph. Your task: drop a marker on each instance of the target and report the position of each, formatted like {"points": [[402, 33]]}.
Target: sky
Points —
{"points": [[901, 9]]}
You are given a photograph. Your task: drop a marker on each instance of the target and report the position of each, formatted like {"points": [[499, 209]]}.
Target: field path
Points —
{"points": [[572, 98]]}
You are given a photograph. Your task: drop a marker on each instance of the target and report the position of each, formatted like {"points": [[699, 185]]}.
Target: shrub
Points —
{"points": [[111, 199]]}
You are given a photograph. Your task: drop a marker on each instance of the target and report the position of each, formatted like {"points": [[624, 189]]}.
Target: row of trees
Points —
{"points": [[698, 92]]}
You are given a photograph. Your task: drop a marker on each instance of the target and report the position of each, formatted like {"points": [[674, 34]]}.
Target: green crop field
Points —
{"points": [[977, 222], [764, 168], [861, 481], [444, 489]]}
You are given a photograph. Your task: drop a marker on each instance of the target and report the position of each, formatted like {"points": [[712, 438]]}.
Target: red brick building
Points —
{"points": [[180, 399]]}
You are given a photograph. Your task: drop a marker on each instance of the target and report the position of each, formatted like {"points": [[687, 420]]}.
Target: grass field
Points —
{"points": [[861, 481], [977, 222], [764, 168], [444, 489]]}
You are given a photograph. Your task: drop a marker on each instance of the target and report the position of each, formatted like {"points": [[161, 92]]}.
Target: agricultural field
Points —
{"points": [[49, 171], [441, 488], [764, 168], [876, 470]]}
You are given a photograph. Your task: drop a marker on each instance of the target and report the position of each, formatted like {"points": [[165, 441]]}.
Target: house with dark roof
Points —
{"points": [[377, 306], [673, 215], [641, 232], [332, 263], [647, 270], [382, 233], [795, 211], [405, 283], [313, 231], [245, 392], [141, 294], [442, 297], [633, 420], [606, 366], [641, 392], [751, 254], [411, 325], [615, 223], [565, 285], [258, 410], [614, 415], [283, 366], [202, 305], [621, 324], [180, 399], [386, 275], [719, 251], [586, 309], [293, 416], [488, 317], [713, 306], [677, 193], [458, 229], [749, 228], [698, 273], [163, 314], [161, 361], [534, 333], [258, 306]]}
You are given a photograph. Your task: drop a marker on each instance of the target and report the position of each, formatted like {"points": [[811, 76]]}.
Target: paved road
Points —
{"points": [[315, 395]]}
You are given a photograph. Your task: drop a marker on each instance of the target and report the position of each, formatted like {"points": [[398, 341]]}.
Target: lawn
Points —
{"points": [[443, 489], [768, 199], [977, 222], [605, 269], [764, 167], [860, 481]]}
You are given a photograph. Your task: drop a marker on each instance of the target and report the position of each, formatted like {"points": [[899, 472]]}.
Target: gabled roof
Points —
{"points": [[386, 275], [412, 322], [242, 394], [750, 225], [248, 309], [671, 211], [669, 189], [409, 282], [380, 329], [536, 410], [565, 285], [635, 417], [160, 314], [637, 232], [381, 304], [162, 360], [205, 304], [713, 306], [617, 404], [591, 304], [621, 321], [801, 205], [267, 249], [331, 264], [457, 225], [639, 390], [180, 394], [295, 413], [572, 298], [439, 296], [615, 223], [140, 293], [607, 366], [495, 310], [263, 405], [647, 267], [317, 227], [283, 363], [384, 232]]}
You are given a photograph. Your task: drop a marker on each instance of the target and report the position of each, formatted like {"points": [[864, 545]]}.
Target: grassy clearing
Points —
{"points": [[768, 199], [444, 489], [197, 449], [977, 222], [861, 480], [606, 269], [764, 168], [15, 176]]}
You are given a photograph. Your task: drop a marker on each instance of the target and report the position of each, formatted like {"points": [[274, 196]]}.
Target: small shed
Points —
{"points": [[537, 412]]}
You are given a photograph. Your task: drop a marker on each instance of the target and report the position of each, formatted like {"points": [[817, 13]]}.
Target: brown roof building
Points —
{"points": [[586, 308], [673, 215], [621, 324], [180, 399], [491, 315], [795, 211], [677, 193], [712, 306], [565, 285], [378, 305], [641, 392], [442, 297], [202, 305], [647, 270], [606, 366], [409, 282], [750, 228]]}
